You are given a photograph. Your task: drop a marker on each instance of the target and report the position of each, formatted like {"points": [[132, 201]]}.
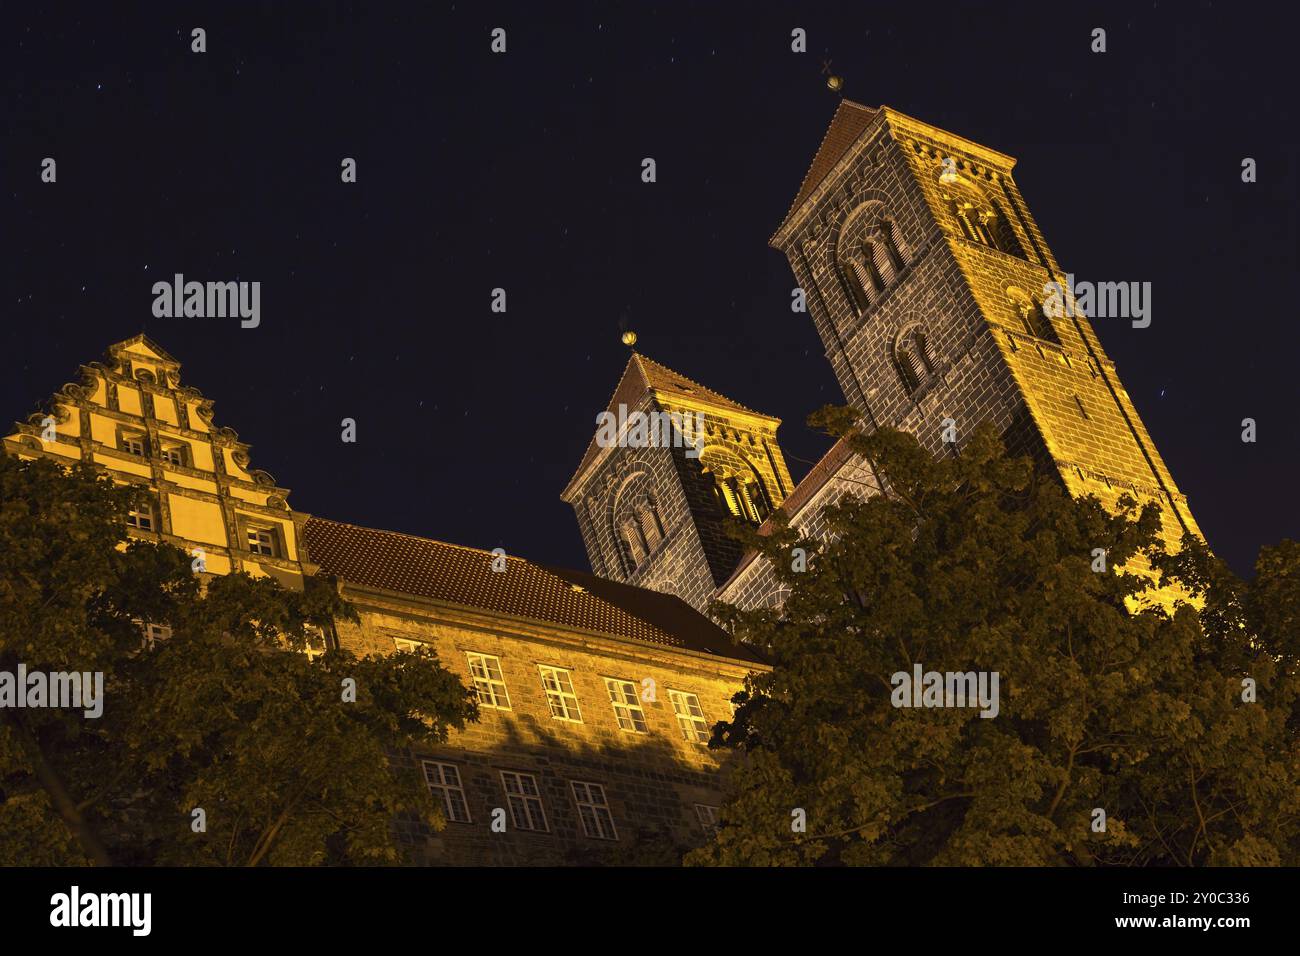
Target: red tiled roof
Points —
{"points": [[642, 375], [849, 122], [463, 576]]}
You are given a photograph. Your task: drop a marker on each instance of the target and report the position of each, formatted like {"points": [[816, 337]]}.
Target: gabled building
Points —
{"points": [[597, 698]]}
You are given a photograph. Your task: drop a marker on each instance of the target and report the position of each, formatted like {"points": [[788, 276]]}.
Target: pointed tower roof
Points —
{"points": [[643, 375], [849, 122]]}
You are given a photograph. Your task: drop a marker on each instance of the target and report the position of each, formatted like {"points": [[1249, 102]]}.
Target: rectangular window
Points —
{"points": [[559, 693], [141, 517], [708, 817], [444, 783], [261, 540], [690, 716], [153, 633], [627, 706], [316, 646], [489, 682], [133, 443], [174, 454], [593, 810], [404, 644], [525, 801]]}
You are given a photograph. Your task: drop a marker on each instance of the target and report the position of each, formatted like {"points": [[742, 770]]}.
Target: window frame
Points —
{"points": [[125, 435], [558, 693], [151, 633], [635, 706], [149, 514], [524, 798], [711, 824], [272, 532], [594, 790], [701, 730], [444, 788], [182, 449], [489, 680]]}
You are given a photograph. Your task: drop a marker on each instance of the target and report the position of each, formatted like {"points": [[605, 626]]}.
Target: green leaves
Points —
{"points": [[225, 715], [979, 563]]}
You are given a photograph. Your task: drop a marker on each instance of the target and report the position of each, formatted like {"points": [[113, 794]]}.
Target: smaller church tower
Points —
{"points": [[670, 464]]}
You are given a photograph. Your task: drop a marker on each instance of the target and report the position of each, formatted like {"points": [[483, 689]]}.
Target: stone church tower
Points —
{"points": [[652, 513], [926, 277], [927, 280]]}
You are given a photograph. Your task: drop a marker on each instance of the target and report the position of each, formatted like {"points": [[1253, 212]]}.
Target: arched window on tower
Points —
{"points": [[1032, 318], [913, 360], [652, 529], [634, 546], [738, 490], [979, 218], [871, 253], [882, 245]]}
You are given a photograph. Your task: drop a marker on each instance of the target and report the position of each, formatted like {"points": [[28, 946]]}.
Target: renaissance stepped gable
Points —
{"points": [[597, 698]]}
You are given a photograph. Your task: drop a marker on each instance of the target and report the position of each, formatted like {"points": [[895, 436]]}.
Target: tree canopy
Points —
{"points": [[226, 717], [1160, 736]]}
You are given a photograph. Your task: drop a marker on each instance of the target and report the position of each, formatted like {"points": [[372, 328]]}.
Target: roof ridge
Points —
{"points": [[806, 185], [417, 537], [692, 381]]}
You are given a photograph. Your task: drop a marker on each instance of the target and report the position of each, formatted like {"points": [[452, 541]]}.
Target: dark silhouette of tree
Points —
{"points": [[227, 716], [979, 562]]}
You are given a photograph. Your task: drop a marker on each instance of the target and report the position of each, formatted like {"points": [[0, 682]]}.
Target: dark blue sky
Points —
{"points": [[522, 171]]}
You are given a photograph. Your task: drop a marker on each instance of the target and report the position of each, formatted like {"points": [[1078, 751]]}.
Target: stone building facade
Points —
{"points": [[931, 287], [597, 698]]}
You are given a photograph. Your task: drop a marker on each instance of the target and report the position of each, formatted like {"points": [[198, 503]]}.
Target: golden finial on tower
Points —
{"points": [[629, 338], [833, 83]]}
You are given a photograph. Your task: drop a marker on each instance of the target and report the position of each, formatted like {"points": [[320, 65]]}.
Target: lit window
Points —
{"points": [[316, 646], [153, 633], [261, 541], [141, 518], [132, 443], [174, 454], [708, 817], [559, 693], [525, 801], [402, 644], [627, 706], [593, 811], [690, 716], [489, 682], [444, 783]]}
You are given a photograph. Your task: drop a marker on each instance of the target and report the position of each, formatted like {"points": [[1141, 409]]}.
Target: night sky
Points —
{"points": [[522, 171]]}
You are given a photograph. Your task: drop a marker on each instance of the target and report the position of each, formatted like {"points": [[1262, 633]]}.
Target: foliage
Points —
{"points": [[225, 716], [980, 562]]}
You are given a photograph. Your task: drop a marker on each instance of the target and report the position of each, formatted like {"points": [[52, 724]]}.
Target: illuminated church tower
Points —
{"points": [[926, 277], [653, 513]]}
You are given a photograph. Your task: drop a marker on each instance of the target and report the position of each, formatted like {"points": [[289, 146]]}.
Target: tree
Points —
{"points": [[1121, 736], [226, 717]]}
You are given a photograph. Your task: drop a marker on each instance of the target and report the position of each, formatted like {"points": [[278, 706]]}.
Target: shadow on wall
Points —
{"points": [[650, 789]]}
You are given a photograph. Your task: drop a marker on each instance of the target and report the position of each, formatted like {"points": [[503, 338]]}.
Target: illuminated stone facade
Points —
{"points": [[926, 278], [595, 748]]}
